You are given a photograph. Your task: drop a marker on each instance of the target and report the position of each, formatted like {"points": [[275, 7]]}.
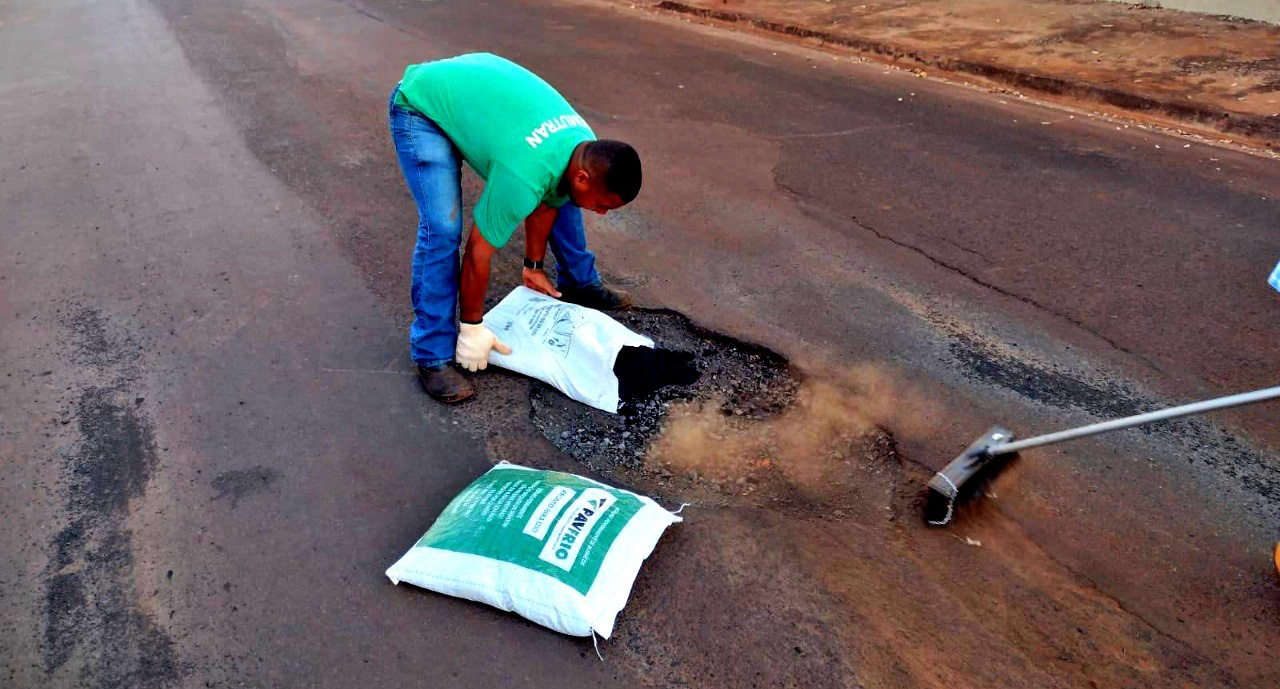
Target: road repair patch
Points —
{"points": [[747, 380]]}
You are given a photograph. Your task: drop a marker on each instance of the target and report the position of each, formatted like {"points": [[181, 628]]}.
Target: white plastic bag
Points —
{"points": [[567, 346], [558, 549]]}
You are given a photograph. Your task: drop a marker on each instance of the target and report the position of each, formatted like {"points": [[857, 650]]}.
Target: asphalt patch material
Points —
{"points": [[749, 430], [236, 485], [747, 380], [95, 624], [1044, 384], [1209, 445], [642, 371]]}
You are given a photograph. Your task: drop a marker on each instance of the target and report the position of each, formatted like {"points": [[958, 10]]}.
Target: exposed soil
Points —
{"points": [[1196, 69]]}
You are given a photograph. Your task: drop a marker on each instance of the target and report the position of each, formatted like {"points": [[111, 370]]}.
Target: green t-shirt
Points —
{"points": [[513, 129]]}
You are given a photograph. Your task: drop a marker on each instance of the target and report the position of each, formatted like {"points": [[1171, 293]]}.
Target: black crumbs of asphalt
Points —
{"points": [[93, 616]]}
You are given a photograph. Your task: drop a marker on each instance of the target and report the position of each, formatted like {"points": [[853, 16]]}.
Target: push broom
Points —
{"points": [[948, 485]]}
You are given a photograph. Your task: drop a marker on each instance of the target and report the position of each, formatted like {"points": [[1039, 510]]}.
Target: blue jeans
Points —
{"points": [[432, 168]]}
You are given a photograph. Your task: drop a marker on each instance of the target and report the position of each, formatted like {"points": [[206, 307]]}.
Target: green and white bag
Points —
{"points": [[558, 549]]}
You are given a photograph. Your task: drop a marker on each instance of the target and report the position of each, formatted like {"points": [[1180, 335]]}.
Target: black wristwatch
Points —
{"points": [[532, 264]]}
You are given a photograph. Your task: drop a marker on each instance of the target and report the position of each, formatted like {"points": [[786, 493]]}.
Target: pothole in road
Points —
{"points": [[739, 378], [752, 430]]}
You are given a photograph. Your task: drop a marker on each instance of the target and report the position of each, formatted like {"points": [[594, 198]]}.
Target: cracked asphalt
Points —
{"points": [[212, 445]]}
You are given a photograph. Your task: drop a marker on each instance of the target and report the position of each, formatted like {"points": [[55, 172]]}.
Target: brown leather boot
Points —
{"points": [[445, 383]]}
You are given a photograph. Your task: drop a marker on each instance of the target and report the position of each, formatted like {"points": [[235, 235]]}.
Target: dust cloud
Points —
{"points": [[835, 419]]}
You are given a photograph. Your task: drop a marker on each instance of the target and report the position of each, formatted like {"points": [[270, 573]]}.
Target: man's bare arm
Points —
{"points": [[476, 260], [537, 229]]}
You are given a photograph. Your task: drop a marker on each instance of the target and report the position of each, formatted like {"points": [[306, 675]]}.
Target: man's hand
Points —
{"points": [[474, 343], [538, 281]]}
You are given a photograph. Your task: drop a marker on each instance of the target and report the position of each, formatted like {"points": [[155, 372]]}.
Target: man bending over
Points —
{"points": [[541, 164]]}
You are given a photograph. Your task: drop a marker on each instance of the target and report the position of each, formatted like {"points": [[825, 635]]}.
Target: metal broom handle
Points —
{"points": [[1130, 421]]}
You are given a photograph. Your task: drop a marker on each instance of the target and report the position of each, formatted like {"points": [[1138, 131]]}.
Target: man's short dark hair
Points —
{"points": [[618, 164]]}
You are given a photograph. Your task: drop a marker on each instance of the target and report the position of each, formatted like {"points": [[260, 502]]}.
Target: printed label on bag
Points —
{"points": [[575, 527], [547, 321], [544, 515], [573, 522]]}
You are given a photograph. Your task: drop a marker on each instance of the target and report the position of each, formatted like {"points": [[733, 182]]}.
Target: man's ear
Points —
{"points": [[582, 178]]}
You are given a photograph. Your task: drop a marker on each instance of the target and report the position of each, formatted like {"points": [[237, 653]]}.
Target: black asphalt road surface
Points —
{"points": [[212, 444]]}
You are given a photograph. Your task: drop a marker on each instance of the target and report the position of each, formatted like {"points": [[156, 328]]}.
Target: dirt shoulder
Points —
{"points": [[1172, 67]]}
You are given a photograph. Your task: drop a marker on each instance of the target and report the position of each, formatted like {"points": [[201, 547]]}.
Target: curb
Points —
{"points": [[1261, 129]]}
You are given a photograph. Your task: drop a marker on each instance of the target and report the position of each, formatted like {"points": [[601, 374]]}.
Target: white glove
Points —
{"points": [[474, 343]]}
